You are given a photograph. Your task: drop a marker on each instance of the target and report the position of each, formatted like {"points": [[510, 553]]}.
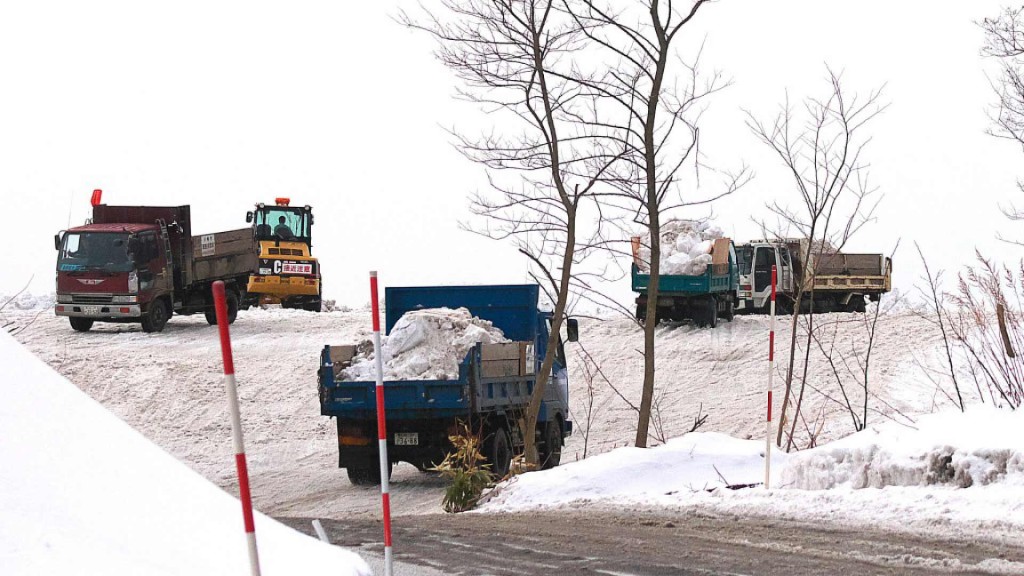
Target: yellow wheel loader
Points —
{"points": [[286, 273]]}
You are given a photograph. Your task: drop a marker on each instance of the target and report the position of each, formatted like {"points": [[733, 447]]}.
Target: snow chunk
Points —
{"points": [[425, 344], [26, 301]]}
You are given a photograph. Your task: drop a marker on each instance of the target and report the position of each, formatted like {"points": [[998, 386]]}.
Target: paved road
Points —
{"points": [[569, 544]]}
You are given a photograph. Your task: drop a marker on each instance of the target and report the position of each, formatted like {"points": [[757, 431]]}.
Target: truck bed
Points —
{"points": [[491, 377], [223, 254]]}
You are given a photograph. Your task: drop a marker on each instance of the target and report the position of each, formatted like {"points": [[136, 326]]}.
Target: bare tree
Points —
{"points": [[823, 153], [653, 128], [507, 54], [1004, 40]]}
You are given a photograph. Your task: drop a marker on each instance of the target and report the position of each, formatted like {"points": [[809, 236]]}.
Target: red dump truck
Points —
{"points": [[142, 264]]}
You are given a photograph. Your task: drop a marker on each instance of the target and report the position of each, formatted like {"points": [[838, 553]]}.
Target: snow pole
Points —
{"points": [[382, 434], [221, 309], [771, 373]]}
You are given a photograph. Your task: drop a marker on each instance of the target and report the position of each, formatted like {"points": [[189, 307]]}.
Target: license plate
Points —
{"points": [[91, 310], [407, 439]]}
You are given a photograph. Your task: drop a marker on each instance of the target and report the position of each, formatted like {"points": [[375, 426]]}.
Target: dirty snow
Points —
{"points": [[424, 344], [691, 473], [84, 493], [685, 247]]}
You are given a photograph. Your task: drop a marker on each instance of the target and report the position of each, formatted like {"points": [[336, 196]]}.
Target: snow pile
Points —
{"points": [[84, 493], [980, 447], [689, 473], [26, 301], [685, 247], [696, 462], [425, 344]]}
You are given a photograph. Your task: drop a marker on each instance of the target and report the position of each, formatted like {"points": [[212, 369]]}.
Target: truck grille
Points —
{"points": [[92, 298], [284, 252]]}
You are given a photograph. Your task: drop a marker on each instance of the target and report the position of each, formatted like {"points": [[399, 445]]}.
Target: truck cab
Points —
{"points": [[287, 272], [114, 273], [755, 267]]}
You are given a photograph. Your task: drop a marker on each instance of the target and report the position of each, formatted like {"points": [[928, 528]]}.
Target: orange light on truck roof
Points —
{"points": [[282, 201], [97, 197]]}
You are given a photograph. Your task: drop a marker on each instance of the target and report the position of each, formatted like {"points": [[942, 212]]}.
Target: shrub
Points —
{"points": [[463, 467]]}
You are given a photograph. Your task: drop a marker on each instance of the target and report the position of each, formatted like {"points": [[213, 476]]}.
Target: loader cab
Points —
{"points": [[282, 223]]}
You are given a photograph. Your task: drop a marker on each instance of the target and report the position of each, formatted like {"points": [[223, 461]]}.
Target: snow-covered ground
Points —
{"points": [[887, 477], [81, 492], [168, 386]]}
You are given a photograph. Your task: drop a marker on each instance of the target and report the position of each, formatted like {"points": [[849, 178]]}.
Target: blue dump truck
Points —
{"points": [[703, 298], [491, 395]]}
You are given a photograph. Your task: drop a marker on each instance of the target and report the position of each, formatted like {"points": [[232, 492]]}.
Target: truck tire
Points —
{"points": [[706, 313], [232, 301], [499, 453], [367, 475], [551, 451], [730, 310], [312, 305], [81, 324], [857, 304], [156, 317]]}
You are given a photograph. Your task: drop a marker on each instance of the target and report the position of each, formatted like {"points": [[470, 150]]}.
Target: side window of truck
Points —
{"points": [[763, 259], [147, 247]]}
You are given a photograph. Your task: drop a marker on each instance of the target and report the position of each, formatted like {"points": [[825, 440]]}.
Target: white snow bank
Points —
{"points": [[678, 476], [980, 447], [694, 463], [26, 301], [83, 493], [425, 344], [685, 247]]}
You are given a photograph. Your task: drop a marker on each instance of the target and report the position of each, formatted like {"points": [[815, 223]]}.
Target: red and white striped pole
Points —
{"points": [[221, 308], [771, 374], [382, 433]]}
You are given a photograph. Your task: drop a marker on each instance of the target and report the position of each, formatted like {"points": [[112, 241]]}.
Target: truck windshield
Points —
{"points": [[95, 251], [283, 223], [744, 256]]}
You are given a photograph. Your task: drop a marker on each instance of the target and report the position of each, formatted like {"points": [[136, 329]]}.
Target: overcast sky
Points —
{"points": [[224, 104]]}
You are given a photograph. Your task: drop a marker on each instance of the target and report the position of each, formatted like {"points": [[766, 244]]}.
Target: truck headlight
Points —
{"points": [[133, 281], [64, 298], [124, 299]]}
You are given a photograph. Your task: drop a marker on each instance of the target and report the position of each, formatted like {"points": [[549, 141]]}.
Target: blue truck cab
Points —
{"points": [[703, 298], [491, 395]]}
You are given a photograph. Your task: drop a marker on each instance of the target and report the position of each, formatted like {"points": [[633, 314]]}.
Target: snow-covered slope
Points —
{"points": [[81, 492], [168, 386]]}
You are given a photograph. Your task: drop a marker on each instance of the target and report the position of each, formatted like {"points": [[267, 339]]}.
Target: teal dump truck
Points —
{"points": [[702, 298]]}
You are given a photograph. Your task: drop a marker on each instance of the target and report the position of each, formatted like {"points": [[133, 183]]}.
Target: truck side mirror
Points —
{"points": [[248, 217], [56, 241], [572, 329]]}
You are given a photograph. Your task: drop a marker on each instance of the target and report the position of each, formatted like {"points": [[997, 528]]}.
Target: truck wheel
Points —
{"points": [[81, 324], [857, 304], [312, 306], [551, 452], [367, 475], [232, 301], [705, 314], [156, 317], [730, 310], [499, 453]]}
